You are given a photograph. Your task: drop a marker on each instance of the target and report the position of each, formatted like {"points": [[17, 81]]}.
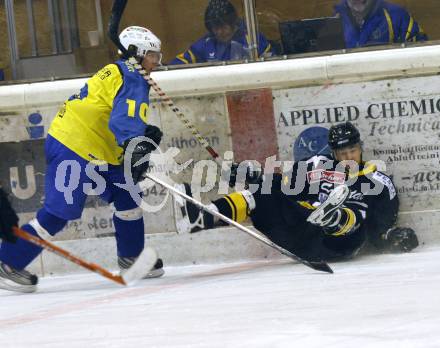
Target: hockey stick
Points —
{"points": [[316, 265], [117, 11], [140, 268], [166, 100]]}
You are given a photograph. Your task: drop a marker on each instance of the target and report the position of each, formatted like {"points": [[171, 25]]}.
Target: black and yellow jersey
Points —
{"points": [[111, 108], [373, 196]]}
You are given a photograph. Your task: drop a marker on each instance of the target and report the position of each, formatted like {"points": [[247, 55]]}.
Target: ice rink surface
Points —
{"points": [[373, 301]]}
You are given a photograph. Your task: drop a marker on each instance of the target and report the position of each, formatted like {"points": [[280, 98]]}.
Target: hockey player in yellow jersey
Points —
{"points": [[111, 108], [88, 140]]}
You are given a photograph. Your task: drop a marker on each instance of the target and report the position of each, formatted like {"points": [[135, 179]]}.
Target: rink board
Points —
{"points": [[399, 121], [256, 110]]}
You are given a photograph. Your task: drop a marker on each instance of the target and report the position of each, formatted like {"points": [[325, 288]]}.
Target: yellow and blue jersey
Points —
{"points": [[111, 108], [386, 23], [209, 49]]}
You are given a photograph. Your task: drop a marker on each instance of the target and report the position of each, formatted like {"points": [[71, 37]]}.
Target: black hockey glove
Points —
{"points": [[142, 149], [8, 219], [401, 239], [253, 174]]}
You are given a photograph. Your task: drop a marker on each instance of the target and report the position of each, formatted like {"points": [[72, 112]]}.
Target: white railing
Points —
{"points": [[359, 66]]}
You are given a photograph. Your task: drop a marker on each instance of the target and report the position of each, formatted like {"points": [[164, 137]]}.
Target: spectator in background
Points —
{"points": [[226, 38], [377, 22]]}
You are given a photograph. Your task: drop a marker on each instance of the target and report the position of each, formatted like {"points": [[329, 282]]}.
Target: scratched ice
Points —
{"points": [[375, 301]]}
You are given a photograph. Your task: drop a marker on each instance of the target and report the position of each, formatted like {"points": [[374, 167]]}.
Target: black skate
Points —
{"points": [[17, 280], [157, 271], [322, 216], [189, 217]]}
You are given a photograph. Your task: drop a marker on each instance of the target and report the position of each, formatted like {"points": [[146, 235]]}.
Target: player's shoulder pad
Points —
{"points": [[386, 181], [132, 79], [110, 70], [110, 78], [368, 169], [315, 160], [126, 69], [108, 75]]}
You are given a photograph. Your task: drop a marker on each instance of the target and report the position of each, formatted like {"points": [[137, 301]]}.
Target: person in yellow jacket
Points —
{"points": [[85, 149]]}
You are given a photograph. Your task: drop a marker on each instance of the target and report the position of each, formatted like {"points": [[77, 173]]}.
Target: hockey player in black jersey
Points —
{"points": [[8, 218], [327, 207]]}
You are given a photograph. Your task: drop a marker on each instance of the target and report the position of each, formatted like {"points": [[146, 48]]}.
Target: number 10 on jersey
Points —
{"points": [[143, 110]]}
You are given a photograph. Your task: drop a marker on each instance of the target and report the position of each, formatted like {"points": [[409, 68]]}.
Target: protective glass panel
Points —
{"points": [[307, 27], [66, 38]]}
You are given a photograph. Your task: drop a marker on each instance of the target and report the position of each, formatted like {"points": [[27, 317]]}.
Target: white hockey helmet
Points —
{"points": [[143, 39]]}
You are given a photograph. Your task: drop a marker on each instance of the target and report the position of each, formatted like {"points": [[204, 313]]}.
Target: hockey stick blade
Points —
{"points": [[44, 244], [142, 266], [318, 265]]}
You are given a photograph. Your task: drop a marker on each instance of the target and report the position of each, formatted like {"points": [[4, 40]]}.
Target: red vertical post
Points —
{"points": [[252, 121]]}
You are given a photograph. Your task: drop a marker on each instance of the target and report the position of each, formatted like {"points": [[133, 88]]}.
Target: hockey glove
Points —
{"points": [[253, 174], [141, 150], [8, 219], [401, 239]]}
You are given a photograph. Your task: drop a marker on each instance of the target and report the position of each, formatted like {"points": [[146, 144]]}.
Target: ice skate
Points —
{"points": [[189, 217], [17, 280], [323, 214], [157, 271]]}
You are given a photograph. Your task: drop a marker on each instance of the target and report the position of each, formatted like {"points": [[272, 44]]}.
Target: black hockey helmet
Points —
{"points": [[342, 135], [220, 12]]}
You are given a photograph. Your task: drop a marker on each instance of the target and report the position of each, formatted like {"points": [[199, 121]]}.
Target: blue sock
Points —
{"points": [[20, 254], [129, 236]]}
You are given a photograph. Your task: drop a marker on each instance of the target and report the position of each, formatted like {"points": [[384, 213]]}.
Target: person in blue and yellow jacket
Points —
{"points": [[377, 22], [226, 39], [85, 149]]}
